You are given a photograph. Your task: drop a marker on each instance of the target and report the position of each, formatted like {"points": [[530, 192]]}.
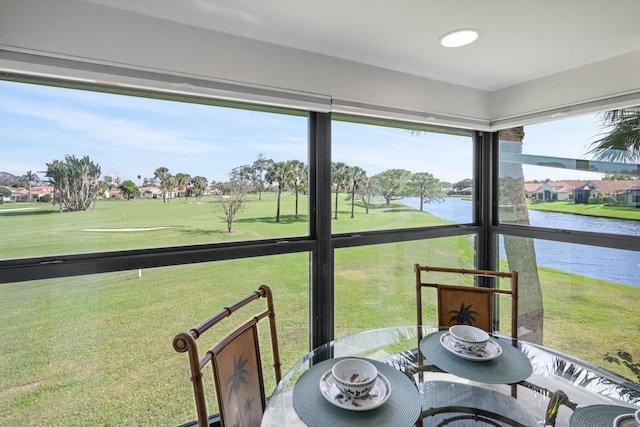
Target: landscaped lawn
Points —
{"points": [[97, 349], [602, 210]]}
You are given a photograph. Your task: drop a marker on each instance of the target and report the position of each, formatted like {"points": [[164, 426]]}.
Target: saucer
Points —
{"points": [[489, 352], [625, 420], [377, 396]]}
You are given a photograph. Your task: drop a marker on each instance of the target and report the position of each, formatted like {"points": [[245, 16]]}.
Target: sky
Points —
{"points": [[129, 136]]}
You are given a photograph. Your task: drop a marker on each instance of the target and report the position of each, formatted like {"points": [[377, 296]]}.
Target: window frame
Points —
{"points": [[319, 242]]}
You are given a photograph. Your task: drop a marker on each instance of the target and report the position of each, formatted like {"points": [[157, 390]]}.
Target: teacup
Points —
{"points": [[354, 377], [469, 338]]}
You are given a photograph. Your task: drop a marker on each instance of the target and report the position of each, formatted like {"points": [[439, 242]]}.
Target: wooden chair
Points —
{"points": [[471, 305], [236, 365]]}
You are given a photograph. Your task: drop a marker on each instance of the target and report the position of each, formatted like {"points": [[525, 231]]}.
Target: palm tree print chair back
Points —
{"points": [[464, 304], [236, 365]]}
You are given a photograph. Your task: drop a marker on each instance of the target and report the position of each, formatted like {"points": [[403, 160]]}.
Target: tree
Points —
{"points": [[392, 183], [622, 142], [425, 186], [355, 175], [56, 171], [149, 182], [244, 174], [182, 180], [260, 168], [128, 188], [4, 192], [299, 177], [162, 174], [339, 178], [199, 186], [461, 185], [520, 251], [30, 178], [281, 174], [232, 203], [77, 182], [368, 188], [168, 186]]}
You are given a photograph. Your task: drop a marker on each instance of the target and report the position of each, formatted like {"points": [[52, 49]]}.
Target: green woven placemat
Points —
{"points": [[402, 408], [597, 415], [511, 367]]}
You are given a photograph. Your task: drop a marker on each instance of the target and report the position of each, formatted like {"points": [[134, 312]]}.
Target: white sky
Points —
{"points": [[129, 136]]}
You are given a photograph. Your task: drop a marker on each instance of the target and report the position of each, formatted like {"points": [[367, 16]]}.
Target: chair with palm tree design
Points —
{"points": [[466, 304], [235, 362]]}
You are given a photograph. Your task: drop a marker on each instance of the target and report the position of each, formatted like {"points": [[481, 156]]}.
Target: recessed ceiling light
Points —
{"points": [[459, 38]]}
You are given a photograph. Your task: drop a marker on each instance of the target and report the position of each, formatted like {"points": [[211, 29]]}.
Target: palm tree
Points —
{"points": [[464, 315], [199, 186], [56, 172], [622, 142], [182, 179], [356, 176], [239, 377], [520, 251], [29, 177], [248, 407], [280, 173], [161, 174], [339, 179], [299, 177]]}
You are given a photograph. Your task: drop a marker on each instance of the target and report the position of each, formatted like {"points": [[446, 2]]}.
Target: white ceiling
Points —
{"points": [[521, 40]]}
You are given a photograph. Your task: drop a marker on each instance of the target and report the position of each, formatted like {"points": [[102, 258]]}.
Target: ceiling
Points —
{"points": [[521, 40]]}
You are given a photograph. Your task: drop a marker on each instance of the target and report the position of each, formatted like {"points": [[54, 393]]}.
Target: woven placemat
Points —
{"points": [[402, 408], [597, 415], [511, 367]]}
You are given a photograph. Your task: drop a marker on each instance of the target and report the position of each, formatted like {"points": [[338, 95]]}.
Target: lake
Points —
{"points": [[615, 265]]}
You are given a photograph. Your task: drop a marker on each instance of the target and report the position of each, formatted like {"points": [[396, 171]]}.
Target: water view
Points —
{"points": [[608, 264]]}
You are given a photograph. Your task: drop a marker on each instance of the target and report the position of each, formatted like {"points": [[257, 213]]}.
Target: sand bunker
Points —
{"points": [[124, 229], [17, 209]]}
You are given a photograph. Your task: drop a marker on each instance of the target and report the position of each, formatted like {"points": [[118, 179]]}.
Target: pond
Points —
{"points": [[601, 263]]}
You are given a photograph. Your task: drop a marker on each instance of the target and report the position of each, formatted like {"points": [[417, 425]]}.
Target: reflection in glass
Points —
{"points": [[159, 172], [388, 177], [585, 166], [97, 350], [375, 285], [589, 297]]}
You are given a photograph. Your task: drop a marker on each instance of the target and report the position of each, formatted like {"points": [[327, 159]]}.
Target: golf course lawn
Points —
{"points": [[97, 349]]}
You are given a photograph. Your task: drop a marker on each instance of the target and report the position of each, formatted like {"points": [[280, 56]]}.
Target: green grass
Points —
{"points": [[623, 212], [98, 349]]}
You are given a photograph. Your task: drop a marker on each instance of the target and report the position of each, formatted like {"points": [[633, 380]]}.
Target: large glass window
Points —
{"points": [[375, 285], [579, 299], [90, 171], [570, 177], [390, 177], [97, 350]]}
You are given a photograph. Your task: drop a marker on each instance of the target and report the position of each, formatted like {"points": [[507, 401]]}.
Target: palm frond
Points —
{"points": [[622, 143]]}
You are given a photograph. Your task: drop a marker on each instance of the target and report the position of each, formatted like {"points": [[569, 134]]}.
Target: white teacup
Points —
{"points": [[354, 377], [469, 338]]}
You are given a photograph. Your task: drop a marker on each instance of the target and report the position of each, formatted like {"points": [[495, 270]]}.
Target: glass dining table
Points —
{"points": [[430, 383]]}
